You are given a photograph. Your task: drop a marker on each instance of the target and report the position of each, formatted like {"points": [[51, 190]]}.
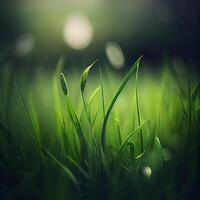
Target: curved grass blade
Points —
{"points": [[138, 108], [91, 100], [123, 83], [195, 91], [10, 140], [34, 115], [129, 136], [95, 116], [83, 81], [73, 115], [157, 143], [132, 154], [102, 92], [85, 75], [56, 94], [33, 123], [77, 125], [115, 117], [77, 166], [158, 147], [189, 138], [35, 128], [61, 165], [139, 156], [63, 84], [52, 130], [126, 168], [93, 95]]}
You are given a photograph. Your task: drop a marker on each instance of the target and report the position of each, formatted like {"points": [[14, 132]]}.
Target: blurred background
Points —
{"points": [[40, 31]]}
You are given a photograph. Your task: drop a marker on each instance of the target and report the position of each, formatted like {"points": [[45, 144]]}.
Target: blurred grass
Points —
{"points": [[42, 156]]}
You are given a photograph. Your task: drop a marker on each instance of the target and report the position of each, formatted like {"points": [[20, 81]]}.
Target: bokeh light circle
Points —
{"points": [[24, 45], [77, 31], [115, 55]]}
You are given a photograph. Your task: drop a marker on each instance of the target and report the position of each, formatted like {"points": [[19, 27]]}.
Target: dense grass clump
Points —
{"points": [[101, 136]]}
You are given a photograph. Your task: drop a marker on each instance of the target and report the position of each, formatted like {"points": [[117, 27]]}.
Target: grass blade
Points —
{"points": [[85, 75], [48, 154], [195, 91], [157, 144], [64, 84], [132, 154], [10, 140], [62, 166], [56, 94], [130, 135], [95, 116], [73, 116], [138, 108], [77, 166], [123, 83], [34, 126], [83, 81], [93, 95], [158, 147], [77, 125], [116, 119], [102, 93]]}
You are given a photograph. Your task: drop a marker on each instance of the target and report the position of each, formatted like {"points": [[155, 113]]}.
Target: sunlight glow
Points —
{"points": [[77, 31]]}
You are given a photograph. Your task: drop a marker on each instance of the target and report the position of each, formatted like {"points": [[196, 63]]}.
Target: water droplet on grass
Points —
{"points": [[147, 171]]}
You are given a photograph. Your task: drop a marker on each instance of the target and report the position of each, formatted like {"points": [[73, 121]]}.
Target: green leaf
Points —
{"points": [[85, 75]]}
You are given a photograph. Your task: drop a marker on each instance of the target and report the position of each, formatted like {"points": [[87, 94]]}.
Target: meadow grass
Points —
{"points": [[97, 135]]}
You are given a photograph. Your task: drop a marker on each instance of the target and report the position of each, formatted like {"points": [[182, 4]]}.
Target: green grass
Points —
{"points": [[104, 136]]}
